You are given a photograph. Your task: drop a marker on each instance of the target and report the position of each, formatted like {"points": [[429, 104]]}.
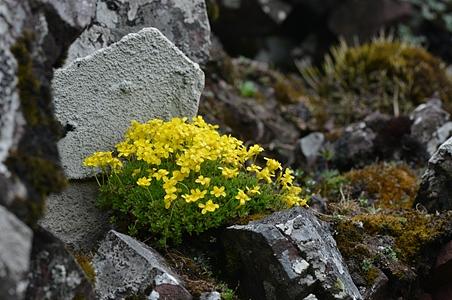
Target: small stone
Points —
{"points": [[126, 267], [141, 77]]}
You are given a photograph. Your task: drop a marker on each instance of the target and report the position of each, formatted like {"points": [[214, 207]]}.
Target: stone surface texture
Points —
{"points": [[430, 125], [54, 273], [15, 248], [185, 23], [73, 217], [141, 77], [12, 18], [435, 192], [126, 267], [75, 13], [288, 255]]}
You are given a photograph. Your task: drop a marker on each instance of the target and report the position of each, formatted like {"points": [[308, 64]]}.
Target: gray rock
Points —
{"points": [[435, 192], [288, 255], [141, 77], [15, 249], [126, 267], [75, 13], [73, 217], [210, 296], [428, 121], [54, 273], [12, 18], [311, 145], [355, 147], [185, 23]]}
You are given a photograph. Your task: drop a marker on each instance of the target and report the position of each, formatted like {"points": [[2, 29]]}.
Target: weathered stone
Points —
{"points": [[210, 296], [15, 249], [435, 192], [428, 121], [73, 217], [185, 23], [12, 18], [141, 77], [355, 147], [54, 273], [75, 13], [288, 255], [125, 267]]}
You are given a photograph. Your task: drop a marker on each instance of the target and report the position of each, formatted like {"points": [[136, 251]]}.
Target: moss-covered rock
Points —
{"points": [[385, 75], [386, 185], [35, 161]]}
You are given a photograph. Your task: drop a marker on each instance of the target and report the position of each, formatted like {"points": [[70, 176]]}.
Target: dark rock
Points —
{"points": [[363, 19], [428, 127], [288, 255], [54, 273], [435, 192], [355, 147], [15, 249], [272, 114], [185, 23], [125, 267], [441, 278]]}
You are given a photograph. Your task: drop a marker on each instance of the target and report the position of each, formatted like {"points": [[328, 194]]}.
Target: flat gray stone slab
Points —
{"points": [[141, 77], [183, 22], [73, 217], [15, 249]]}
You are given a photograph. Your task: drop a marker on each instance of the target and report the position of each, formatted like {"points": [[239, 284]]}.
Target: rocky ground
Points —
{"points": [[367, 130]]}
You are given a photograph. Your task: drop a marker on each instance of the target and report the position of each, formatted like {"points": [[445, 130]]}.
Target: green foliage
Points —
{"points": [[384, 75], [173, 178], [248, 89], [145, 212]]}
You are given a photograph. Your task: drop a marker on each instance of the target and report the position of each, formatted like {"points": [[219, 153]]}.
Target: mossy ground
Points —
{"points": [[384, 75], [376, 228]]}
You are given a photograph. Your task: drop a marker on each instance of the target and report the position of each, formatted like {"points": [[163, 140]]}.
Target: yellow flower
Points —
{"points": [[179, 176], [208, 207], [218, 191], [265, 174], [254, 191], [160, 174], [287, 179], [144, 181], [253, 168], [203, 180], [242, 197], [194, 195], [272, 164], [254, 150], [229, 173]]}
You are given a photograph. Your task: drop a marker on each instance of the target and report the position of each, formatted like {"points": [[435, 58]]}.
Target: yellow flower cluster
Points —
{"points": [[189, 145], [103, 160]]}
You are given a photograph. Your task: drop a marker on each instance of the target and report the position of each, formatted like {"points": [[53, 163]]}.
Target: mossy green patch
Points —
{"points": [[383, 75], [390, 185]]}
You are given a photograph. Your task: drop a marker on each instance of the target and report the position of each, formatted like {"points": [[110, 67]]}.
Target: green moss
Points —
{"points": [[35, 161], [390, 185], [85, 264], [384, 75]]}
